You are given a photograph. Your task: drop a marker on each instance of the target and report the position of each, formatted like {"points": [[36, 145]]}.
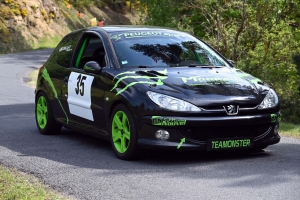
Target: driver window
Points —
{"points": [[91, 49]]}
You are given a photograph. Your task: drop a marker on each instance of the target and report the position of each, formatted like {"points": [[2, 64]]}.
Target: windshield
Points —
{"points": [[163, 49]]}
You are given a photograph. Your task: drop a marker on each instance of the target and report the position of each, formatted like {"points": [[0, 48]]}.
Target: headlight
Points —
{"points": [[171, 103], [270, 101]]}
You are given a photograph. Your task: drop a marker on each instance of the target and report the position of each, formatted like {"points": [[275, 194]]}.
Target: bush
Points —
{"points": [[4, 32], [6, 12], [51, 15], [24, 12], [9, 1], [16, 11], [34, 8]]}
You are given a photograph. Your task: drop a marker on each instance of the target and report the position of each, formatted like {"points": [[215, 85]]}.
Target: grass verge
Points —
{"points": [[32, 77], [47, 42], [289, 130], [18, 185]]}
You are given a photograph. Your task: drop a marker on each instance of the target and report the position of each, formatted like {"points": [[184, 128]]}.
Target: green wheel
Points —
{"points": [[123, 133], [43, 116]]}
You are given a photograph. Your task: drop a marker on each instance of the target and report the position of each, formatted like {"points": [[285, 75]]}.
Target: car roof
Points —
{"points": [[122, 28]]}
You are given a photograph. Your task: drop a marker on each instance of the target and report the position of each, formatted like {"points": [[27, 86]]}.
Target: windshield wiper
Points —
{"points": [[197, 65], [204, 66], [144, 66]]}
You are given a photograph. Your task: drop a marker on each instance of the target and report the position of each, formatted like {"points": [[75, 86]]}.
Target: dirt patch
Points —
{"points": [[27, 25]]}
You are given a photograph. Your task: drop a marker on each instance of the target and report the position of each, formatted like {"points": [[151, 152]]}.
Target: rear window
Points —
{"points": [[65, 49]]}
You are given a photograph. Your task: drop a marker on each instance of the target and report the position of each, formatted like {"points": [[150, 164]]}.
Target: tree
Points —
{"points": [[260, 36]]}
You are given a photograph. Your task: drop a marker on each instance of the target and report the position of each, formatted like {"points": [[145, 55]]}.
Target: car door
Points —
{"points": [[84, 92]]}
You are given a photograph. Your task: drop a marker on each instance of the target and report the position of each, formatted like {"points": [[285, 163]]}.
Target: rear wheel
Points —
{"points": [[44, 117], [123, 133]]}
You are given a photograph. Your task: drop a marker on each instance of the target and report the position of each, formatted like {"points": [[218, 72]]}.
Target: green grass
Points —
{"points": [[17, 185], [289, 130], [47, 42]]}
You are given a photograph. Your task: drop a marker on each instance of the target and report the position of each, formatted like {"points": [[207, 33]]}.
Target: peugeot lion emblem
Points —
{"points": [[231, 109]]}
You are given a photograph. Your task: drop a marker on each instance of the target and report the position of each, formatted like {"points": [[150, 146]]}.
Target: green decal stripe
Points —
{"points": [[81, 51], [248, 77], [47, 78], [130, 72], [165, 71], [159, 82], [135, 77], [181, 142]]}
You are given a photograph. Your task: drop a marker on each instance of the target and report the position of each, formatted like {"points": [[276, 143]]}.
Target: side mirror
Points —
{"points": [[232, 63], [92, 67]]}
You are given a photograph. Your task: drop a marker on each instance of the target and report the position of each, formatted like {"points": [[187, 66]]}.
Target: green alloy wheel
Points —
{"points": [[41, 112], [43, 116], [123, 133]]}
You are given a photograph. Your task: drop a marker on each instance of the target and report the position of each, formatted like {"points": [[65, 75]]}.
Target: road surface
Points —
{"points": [[86, 168]]}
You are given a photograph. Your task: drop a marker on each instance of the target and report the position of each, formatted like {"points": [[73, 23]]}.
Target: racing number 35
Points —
{"points": [[80, 83], [79, 95]]}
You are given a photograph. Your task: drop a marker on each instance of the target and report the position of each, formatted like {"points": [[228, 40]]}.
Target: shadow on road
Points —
{"points": [[18, 133]]}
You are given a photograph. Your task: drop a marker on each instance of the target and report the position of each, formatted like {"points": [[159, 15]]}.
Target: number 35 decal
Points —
{"points": [[79, 95], [81, 82]]}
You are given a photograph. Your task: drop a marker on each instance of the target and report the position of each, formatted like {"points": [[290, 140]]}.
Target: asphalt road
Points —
{"points": [[86, 168]]}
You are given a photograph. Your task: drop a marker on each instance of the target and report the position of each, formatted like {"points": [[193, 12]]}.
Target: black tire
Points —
{"points": [[123, 137], [44, 116]]}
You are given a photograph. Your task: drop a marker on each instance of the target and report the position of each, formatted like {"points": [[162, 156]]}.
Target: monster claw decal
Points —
{"points": [[159, 82], [47, 78], [149, 79], [130, 72]]}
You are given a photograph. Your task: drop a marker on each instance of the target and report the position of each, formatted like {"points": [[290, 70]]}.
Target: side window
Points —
{"points": [[65, 49], [91, 49]]}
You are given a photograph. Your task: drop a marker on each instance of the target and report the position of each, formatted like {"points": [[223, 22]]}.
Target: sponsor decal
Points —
{"points": [[229, 144], [145, 79], [249, 78], [66, 48], [275, 117], [198, 80], [144, 34], [48, 80], [167, 121]]}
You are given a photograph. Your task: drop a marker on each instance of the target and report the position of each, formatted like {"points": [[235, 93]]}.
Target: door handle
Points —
{"points": [[66, 79]]}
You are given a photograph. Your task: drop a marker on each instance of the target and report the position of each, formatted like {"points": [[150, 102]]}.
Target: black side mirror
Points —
{"points": [[232, 63], [92, 67]]}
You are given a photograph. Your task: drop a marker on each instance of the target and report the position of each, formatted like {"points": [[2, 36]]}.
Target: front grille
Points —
{"points": [[204, 133]]}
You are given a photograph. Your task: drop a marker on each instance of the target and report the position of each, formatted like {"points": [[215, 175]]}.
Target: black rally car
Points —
{"points": [[154, 88]]}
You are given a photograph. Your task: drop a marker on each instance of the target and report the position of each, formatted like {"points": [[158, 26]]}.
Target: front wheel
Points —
{"points": [[123, 133], [44, 117]]}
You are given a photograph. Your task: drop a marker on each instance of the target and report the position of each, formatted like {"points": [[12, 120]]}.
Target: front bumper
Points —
{"points": [[197, 131]]}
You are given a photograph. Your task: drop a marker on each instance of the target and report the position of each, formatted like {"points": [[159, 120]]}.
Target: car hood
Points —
{"points": [[199, 86]]}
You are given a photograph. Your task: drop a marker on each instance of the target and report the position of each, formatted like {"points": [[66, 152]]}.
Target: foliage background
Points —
{"points": [[261, 36]]}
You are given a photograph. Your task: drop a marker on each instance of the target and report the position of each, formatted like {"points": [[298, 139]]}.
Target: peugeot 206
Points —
{"points": [[155, 88]]}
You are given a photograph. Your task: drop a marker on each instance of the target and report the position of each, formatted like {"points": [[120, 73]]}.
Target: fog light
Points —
{"points": [[162, 135], [276, 129]]}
